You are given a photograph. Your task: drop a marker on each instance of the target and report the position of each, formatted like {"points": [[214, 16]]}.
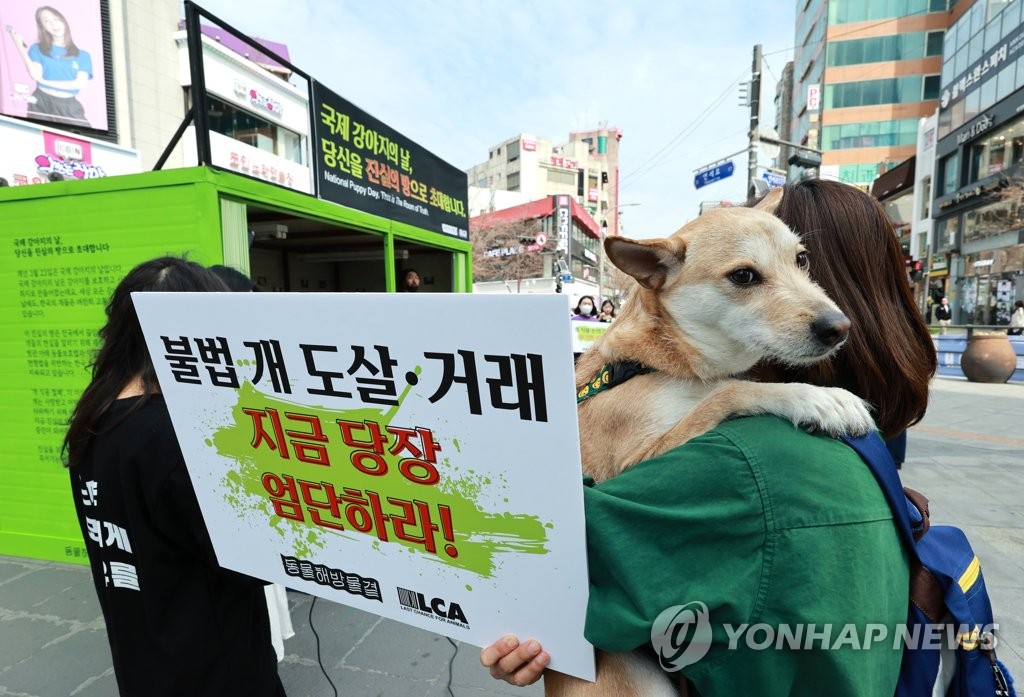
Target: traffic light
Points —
{"points": [[915, 269], [805, 158]]}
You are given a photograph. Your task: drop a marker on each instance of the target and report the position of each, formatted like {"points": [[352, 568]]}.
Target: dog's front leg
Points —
{"points": [[830, 409]]}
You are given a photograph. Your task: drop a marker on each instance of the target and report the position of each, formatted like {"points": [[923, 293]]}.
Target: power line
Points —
{"points": [[649, 163]]}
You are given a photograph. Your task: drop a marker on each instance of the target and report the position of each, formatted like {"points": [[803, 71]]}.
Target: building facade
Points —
{"points": [[864, 73], [585, 167], [559, 240], [978, 203]]}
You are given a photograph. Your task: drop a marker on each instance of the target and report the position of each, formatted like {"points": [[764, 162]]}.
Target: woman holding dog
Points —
{"points": [[762, 523]]}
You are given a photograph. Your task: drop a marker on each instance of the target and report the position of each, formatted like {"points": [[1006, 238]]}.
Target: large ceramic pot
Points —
{"points": [[989, 357]]}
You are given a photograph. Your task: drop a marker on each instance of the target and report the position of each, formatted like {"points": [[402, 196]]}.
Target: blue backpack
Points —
{"points": [[950, 612]]}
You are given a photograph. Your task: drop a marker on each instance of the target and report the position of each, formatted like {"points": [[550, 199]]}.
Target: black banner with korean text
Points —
{"points": [[364, 164]]}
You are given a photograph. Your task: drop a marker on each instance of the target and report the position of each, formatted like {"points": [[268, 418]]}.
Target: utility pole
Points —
{"points": [[755, 113]]}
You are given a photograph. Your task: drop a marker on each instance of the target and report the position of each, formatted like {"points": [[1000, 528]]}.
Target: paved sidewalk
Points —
{"points": [[967, 457]]}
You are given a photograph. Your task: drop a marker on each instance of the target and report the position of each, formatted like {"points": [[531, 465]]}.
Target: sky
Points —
{"points": [[461, 77]]}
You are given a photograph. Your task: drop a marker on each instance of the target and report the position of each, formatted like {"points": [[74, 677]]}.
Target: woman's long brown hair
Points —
{"points": [[123, 355], [889, 358]]}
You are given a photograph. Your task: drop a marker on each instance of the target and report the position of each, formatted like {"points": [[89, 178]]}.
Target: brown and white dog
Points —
{"points": [[726, 291]]}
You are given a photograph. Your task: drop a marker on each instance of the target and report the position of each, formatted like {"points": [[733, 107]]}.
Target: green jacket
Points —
{"points": [[763, 523]]}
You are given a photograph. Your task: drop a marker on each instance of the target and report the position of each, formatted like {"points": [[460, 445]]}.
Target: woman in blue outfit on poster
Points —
{"points": [[59, 68]]}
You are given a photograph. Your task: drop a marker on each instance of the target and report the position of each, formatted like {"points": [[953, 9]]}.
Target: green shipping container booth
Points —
{"points": [[66, 245]]}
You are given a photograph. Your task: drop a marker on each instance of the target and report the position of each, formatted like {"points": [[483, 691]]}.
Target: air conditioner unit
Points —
{"points": [[266, 231]]}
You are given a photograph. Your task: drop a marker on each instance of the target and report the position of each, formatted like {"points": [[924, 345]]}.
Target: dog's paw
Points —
{"points": [[830, 409]]}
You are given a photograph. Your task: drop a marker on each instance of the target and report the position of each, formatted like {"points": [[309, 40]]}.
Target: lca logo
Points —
{"points": [[438, 608]]}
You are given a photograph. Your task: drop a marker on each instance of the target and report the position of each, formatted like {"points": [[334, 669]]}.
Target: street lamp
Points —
{"points": [[604, 234]]}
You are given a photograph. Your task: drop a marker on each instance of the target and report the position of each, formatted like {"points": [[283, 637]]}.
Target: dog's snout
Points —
{"points": [[831, 329]]}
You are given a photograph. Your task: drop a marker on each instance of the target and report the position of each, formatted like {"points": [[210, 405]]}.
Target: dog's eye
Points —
{"points": [[803, 261], [744, 277]]}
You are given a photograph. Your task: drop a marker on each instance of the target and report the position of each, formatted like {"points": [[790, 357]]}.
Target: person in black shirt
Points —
{"points": [[177, 623]]}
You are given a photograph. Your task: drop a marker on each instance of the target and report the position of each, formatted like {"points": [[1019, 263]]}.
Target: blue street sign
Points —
{"points": [[567, 277], [774, 179], [713, 174]]}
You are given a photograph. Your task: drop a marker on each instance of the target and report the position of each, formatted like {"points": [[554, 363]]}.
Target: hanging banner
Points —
{"points": [[364, 164], [405, 463]]}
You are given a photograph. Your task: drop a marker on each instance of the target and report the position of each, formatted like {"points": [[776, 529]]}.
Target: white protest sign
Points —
{"points": [[414, 456], [585, 333]]}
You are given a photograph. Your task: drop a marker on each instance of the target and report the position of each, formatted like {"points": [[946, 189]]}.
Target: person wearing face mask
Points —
{"points": [[585, 310]]}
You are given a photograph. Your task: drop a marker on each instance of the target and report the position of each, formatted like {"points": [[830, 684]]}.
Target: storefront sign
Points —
{"points": [[593, 194], [585, 333], [245, 159], [389, 466], [258, 99], [33, 154], [939, 262], [563, 221], [20, 96], [529, 145], [982, 124], [559, 161], [364, 164], [589, 255], [813, 97]]}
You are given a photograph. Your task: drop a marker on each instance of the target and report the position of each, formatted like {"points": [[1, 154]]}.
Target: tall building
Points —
{"points": [[864, 73], [977, 250], [585, 167]]}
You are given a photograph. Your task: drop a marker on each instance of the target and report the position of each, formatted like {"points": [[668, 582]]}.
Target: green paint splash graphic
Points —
{"points": [[479, 536]]}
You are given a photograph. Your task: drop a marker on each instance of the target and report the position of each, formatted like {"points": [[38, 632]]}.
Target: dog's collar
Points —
{"points": [[610, 375]]}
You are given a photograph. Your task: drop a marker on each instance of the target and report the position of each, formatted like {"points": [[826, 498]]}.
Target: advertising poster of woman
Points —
{"points": [[51, 62]]}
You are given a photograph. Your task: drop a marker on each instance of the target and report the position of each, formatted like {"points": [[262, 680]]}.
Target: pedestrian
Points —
{"points": [[607, 311], [585, 309], [944, 314], [59, 68], [177, 623], [762, 522], [410, 282], [1017, 319]]}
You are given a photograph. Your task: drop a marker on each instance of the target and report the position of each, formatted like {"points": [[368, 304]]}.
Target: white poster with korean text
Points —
{"points": [[413, 456]]}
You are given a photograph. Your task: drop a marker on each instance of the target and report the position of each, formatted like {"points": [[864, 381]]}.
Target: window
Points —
{"points": [[993, 219], [949, 174], [239, 124], [878, 49], [897, 90], [926, 199], [844, 11], [512, 183], [556, 176], [512, 152], [869, 134], [931, 87]]}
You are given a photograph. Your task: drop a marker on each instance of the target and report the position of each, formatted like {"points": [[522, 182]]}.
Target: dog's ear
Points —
{"points": [[648, 261], [771, 201]]}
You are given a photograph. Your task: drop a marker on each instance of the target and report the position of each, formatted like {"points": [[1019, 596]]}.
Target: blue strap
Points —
{"points": [[876, 456]]}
